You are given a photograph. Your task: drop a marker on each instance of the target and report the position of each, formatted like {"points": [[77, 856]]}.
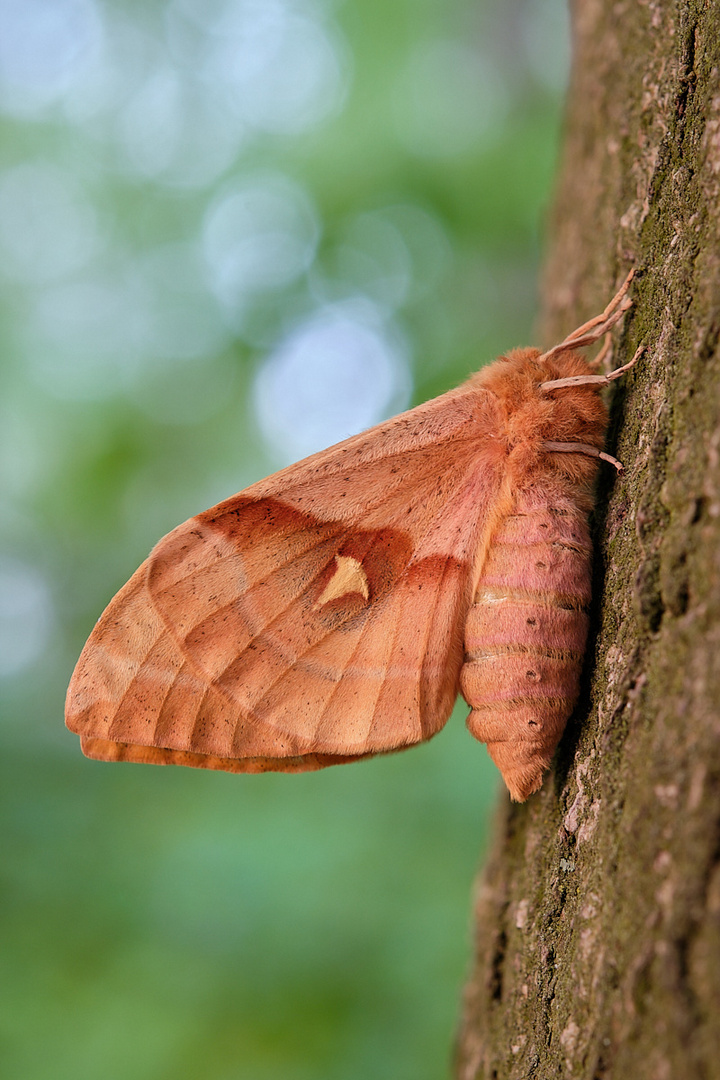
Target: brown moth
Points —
{"points": [[334, 610]]}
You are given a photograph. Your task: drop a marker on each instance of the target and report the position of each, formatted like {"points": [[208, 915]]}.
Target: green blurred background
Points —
{"points": [[233, 232]]}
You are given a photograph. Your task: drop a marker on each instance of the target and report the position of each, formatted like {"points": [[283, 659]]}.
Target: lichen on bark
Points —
{"points": [[598, 912]]}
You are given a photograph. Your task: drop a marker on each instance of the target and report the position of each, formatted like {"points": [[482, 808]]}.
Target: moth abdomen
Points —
{"points": [[525, 640]]}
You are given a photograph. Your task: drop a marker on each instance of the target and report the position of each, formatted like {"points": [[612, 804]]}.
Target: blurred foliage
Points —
{"points": [[230, 229]]}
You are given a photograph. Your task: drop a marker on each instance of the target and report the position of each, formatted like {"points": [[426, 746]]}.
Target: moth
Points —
{"points": [[335, 610]]}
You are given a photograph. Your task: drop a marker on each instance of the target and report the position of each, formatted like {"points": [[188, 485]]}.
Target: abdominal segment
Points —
{"points": [[525, 636]]}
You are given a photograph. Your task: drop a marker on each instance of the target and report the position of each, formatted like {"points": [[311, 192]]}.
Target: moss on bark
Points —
{"points": [[598, 914]]}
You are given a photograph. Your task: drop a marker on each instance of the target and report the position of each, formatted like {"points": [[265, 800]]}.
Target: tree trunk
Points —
{"points": [[598, 914]]}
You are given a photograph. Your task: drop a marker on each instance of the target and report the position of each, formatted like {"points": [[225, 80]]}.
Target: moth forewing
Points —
{"points": [[332, 611]]}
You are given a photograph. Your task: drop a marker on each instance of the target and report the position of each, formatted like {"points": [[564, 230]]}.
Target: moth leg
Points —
{"points": [[611, 375], [583, 448], [593, 380], [606, 314], [594, 329]]}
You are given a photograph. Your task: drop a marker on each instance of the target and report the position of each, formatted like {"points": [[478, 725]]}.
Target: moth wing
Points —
{"points": [[314, 618]]}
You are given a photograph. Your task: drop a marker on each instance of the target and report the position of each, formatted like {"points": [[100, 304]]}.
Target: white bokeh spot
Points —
{"points": [[259, 235], [45, 47], [278, 65], [338, 373]]}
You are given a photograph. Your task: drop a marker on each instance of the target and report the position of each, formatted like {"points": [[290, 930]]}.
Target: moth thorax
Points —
{"points": [[525, 638]]}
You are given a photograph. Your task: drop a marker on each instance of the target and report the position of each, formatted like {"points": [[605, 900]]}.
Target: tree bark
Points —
{"points": [[598, 913]]}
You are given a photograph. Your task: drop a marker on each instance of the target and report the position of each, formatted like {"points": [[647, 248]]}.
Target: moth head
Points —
{"points": [[534, 416]]}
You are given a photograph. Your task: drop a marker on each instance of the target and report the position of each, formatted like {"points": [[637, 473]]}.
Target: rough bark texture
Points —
{"points": [[598, 914]]}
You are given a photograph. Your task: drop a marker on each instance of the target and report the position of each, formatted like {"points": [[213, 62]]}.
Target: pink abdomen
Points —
{"points": [[525, 637]]}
